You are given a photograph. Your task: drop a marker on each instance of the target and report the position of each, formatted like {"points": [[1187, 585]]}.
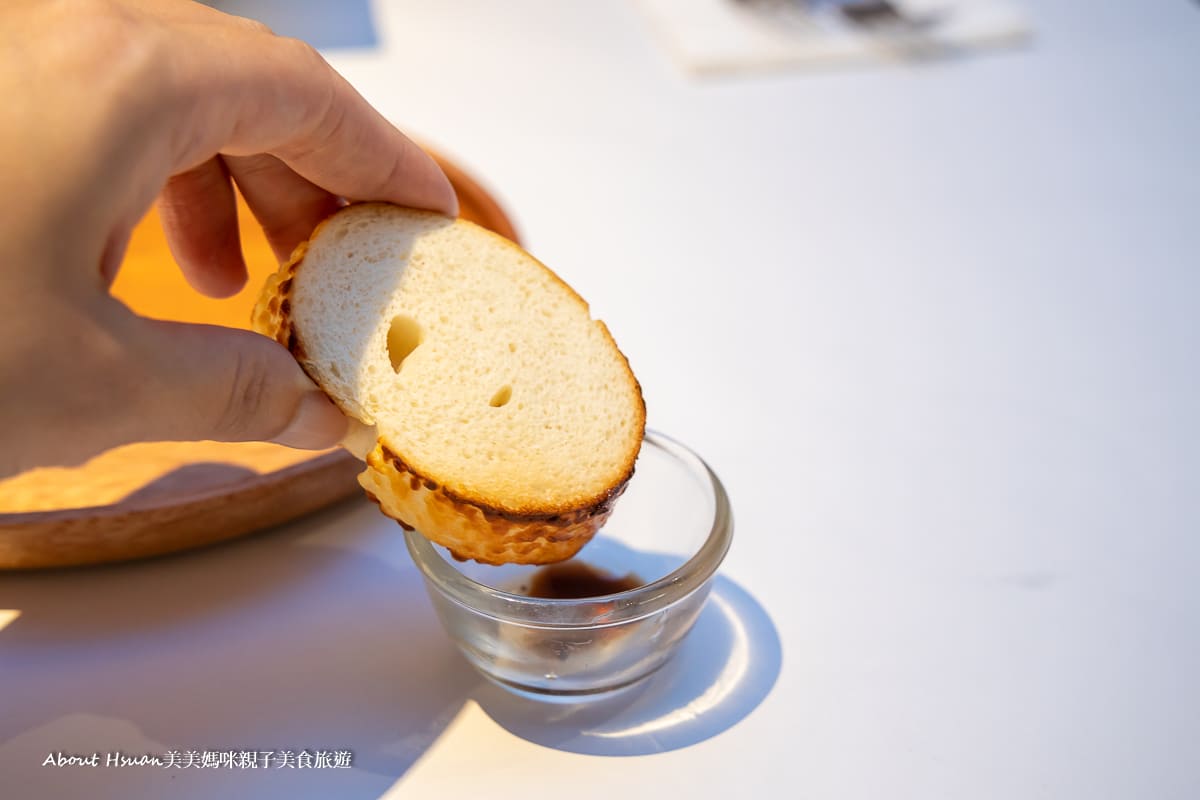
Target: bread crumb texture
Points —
{"points": [[508, 420]]}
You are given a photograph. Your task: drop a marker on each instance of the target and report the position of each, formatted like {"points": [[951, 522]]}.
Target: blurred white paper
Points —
{"points": [[711, 37]]}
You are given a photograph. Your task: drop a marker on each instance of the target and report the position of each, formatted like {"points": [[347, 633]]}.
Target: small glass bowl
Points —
{"points": [[670, 530]]}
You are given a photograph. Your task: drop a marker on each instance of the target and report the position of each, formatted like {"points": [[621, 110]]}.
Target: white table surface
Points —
{"points": [[936, 327]]}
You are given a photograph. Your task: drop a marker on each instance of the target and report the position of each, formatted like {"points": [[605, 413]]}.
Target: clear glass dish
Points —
{"points": [[668, 534]]}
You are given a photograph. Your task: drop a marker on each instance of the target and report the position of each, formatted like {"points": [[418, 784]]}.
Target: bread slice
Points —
{"points": [[504, 422]]}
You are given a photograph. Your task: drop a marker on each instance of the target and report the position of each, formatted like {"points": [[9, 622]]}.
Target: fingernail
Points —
{"points": [[317, 424]]}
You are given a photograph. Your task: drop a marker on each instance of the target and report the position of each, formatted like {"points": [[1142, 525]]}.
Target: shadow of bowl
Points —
{"points": [[723, 670]]}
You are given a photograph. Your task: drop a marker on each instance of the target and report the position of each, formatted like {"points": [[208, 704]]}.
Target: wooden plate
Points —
{"points": [[153, 498]]}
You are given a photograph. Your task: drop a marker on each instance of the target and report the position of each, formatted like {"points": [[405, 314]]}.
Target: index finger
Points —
{"points": [[241, 90]]}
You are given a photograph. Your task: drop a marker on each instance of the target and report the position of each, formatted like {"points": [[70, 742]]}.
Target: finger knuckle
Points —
{"points": [[248, 397], [254, 26], [90, 28], [300, 51], [123, 53]]}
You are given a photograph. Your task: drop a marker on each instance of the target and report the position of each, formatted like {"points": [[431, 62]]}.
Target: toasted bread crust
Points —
{"points": [[474, 530], [470, 526]]}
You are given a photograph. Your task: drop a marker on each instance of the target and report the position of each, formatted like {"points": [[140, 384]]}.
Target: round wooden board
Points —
{"points": [[149, 499]]}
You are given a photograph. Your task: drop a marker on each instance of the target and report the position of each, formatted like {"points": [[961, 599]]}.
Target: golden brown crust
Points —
{"points": [[470, 526], [471, 530], [271, 315], [272, 312]]}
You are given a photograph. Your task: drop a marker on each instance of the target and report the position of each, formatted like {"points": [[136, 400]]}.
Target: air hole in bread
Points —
{"points": [[501, 397], [404, 336]]}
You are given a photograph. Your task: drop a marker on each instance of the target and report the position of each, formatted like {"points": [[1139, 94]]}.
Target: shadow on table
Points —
{"points": [[726, 666], [315, 636]]}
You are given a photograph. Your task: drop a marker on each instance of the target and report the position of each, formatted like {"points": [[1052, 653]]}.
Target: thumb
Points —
{"points": [[211, 382]]}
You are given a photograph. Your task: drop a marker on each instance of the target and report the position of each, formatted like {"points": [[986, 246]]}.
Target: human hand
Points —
{"points": [[109, 104]]}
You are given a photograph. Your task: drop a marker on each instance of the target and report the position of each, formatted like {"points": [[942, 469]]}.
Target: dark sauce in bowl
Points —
{"points": [[572, 580]]}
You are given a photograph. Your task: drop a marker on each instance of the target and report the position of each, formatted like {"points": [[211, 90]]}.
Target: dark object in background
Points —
{"points": [[325, 24], [877, 15]]}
